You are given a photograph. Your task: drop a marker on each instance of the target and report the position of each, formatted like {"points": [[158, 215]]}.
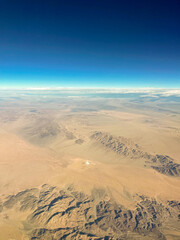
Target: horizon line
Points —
{"points": [[87, 88]]}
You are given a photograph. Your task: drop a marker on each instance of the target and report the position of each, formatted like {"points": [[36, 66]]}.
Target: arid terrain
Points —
{"points": [[89, 165]]}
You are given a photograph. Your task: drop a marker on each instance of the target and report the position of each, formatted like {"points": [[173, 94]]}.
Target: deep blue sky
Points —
{"points": [[123, 43]]}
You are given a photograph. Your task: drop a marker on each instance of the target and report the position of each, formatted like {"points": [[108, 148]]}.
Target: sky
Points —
{"points": [[97, 43]]}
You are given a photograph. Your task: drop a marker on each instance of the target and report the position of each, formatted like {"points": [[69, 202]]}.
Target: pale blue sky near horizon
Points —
{"points": [[77, 82]]}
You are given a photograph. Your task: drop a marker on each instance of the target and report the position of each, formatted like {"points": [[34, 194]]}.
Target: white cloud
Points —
{"points": [[152, 92]]}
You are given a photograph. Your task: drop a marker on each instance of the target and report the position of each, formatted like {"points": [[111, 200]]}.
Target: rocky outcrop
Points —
{"points": [[55, 213], [43, 131], [125, 147], [120, 145], [79, 141], [165, 165]]}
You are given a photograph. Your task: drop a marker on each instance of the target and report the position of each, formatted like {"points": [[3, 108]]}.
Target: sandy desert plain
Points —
{"points": [[89, 164]]}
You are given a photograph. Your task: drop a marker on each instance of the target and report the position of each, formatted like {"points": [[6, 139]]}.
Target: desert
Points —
{"points": [[89, 166]]}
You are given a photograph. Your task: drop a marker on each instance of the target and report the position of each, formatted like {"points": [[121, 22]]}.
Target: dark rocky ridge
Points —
{"points": [[166, 165], [125, 147], [68, 214]]}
